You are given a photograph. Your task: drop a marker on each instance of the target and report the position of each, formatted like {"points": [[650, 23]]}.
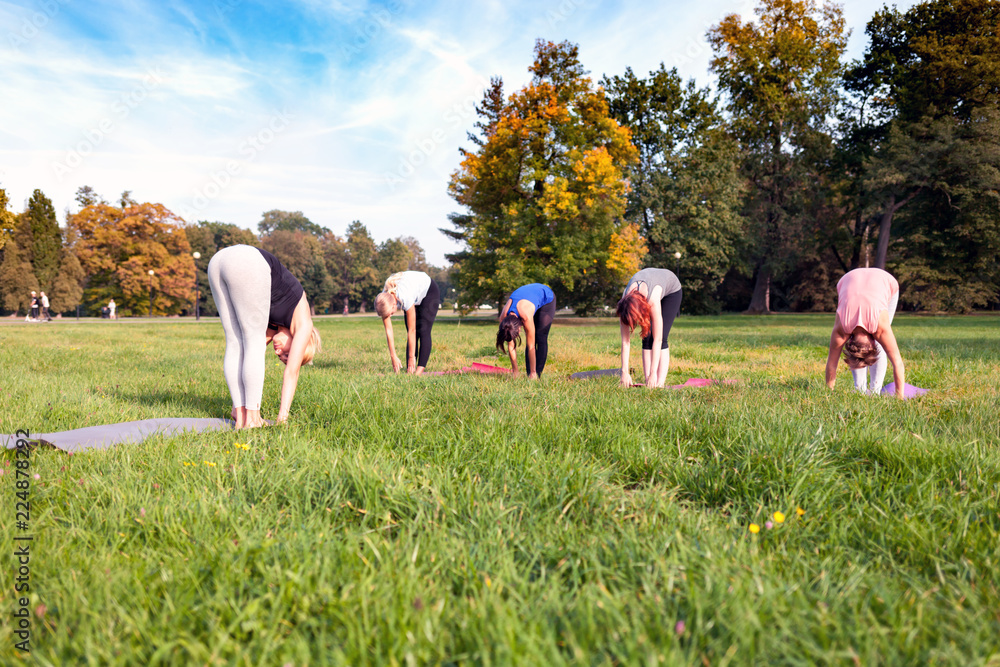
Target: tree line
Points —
{"points": [[760, 194], [801, 166], [143, 256]]}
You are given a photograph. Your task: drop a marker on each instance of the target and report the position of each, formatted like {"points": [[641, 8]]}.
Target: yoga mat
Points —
{"points": [[586, 375], [104, 436], [909, 391]]}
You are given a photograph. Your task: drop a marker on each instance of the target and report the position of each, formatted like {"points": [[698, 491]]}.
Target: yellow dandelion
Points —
{"points": [[754, 528], [779, 517], [209, 463], [240, 445], [799, 511]]}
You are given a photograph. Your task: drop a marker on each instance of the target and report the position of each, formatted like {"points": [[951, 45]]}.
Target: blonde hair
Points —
{"points": [[392, 282], [314, 347], [385, 304]]}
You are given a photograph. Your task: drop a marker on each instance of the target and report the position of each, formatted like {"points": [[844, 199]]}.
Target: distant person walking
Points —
{"points": [[866, 303], [45, 307], [419, 298], [651, 301], [33, 316], [533, 307], [111, 309], [260, 302]]}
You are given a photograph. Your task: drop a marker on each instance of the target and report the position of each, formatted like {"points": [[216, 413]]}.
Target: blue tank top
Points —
{"points": [[537, 293]]}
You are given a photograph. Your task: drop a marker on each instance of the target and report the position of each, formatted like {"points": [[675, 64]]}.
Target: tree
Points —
{"points": [[686, 186], [45, 238], [117, 247], [363, 281], [288, 221], [207, 238], [67, 289], [392, 256], [17, 280], [8, 221], [545, 189], [85, 196], [780, 76], [418, 260], [929, 146]]}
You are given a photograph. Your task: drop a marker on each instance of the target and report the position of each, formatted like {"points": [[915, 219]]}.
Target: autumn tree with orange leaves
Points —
{"points": [[117, 247], [545, 190]]}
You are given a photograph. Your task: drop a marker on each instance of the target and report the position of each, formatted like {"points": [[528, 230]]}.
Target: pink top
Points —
{"points": [[862, 295]]}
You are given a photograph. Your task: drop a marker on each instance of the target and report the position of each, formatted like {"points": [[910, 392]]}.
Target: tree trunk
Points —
{"points": [[362, 308], [884, 229], [760, 302]]}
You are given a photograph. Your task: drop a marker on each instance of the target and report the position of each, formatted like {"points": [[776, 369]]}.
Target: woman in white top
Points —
{"points": [[419, 298]]}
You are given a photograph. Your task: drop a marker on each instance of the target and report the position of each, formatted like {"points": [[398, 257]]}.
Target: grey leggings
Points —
{"points": [[241, 286]]}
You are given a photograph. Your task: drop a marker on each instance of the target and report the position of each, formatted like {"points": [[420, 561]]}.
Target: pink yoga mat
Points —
{"points": [[909, 391]]}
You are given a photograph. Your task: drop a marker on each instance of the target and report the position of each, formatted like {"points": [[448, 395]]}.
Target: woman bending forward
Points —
{"points": [[419, 298], [866, 302], [260, 302], [533, 307], [651, 301]]}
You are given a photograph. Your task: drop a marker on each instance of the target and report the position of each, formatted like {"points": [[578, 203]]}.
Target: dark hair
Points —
{"points": [[510, 330], [860, 350], [634, 311]]}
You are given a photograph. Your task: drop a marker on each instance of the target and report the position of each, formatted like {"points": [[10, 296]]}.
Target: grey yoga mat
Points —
{"points": [[102, 437]]}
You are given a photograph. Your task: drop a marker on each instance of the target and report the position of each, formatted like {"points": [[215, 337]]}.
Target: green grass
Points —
{"points": [[483, 520]]}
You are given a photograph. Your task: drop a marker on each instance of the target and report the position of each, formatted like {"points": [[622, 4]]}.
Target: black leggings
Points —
{"points": [[427, 310], [543, 322], [670, 306]]}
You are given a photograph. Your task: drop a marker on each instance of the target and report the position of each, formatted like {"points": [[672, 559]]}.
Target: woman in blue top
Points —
{"points": [[533, 307]]}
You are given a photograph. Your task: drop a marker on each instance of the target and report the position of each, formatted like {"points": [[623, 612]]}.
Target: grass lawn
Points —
{"points": [[486, 520]]}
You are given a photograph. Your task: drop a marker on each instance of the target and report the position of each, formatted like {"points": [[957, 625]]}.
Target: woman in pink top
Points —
{"points": [[866, 302]]}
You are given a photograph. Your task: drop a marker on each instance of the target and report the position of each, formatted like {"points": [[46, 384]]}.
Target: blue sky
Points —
{"points": [[344, 110]]}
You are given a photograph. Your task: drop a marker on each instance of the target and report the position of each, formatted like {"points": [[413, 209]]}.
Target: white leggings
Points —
{"points": [[877, 370], [241, 286]]}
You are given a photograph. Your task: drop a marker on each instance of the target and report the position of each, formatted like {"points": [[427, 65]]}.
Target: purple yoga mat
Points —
{"points": [[909, 391], [104, 436]]}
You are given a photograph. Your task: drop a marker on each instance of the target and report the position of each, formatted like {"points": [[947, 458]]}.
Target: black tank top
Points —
{"points": [[286, 292]]}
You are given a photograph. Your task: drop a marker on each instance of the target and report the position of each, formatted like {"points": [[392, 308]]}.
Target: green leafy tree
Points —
{"points": [[686, 186], [17, 280], [393, 255], [930, 80], [545, 187], [363, 281], [288, 221], [418, 259], [67, 289], [780, 76], [85, 196], [46, 239]]}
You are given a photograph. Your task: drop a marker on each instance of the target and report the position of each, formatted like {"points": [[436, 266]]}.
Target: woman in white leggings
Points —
{"points": [[866, 302], [260, 302]]}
